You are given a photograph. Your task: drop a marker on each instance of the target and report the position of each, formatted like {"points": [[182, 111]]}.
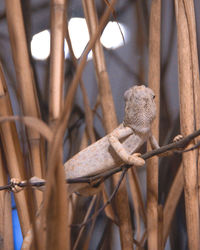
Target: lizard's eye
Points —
{"points": [[154, 96]]}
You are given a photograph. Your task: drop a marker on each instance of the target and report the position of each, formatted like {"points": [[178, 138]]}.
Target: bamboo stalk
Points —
{"points": [[6, 231], [187, 119], [110, 122], [25, 80], [58, 20], [88, 111], [190, 14], [152, 164], [160, 227], [56, 146], [136, 207], [57, 211], [13, 154], [171, 202]]}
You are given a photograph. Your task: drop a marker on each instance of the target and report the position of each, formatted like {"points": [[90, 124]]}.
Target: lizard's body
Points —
{"points": [[119, 146], [100, 156]]}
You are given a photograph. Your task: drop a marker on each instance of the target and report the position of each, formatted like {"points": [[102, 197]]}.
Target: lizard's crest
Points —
{"points": [[140, 108]]}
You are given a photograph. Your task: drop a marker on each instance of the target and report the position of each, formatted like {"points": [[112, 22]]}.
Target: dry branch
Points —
{"points": [[188, 68], [154, 84], [99, 178], [25, 81], [109, 120], [13, 154]]}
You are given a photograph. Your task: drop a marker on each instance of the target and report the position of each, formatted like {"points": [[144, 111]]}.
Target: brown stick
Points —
{"points": [[58, 20], [13, 154], [171, 202], [190, 14], [6, 231], [25, 80], [56, 213], [110, 122], [99, 178], [187, 117], [152, 164]]}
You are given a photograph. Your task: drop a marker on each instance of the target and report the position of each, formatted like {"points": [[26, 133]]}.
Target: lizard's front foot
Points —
{"points": [[177, 138], [15, 185], [136, 160]]}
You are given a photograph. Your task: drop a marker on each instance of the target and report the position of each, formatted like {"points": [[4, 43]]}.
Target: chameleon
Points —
{"points": [[121, 145]]}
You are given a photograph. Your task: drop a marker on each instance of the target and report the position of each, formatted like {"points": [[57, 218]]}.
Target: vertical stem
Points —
{"points": [[152, 164], [190, 14], [25, 80], [58, 20], [171, 202], [110, 122], [187, 119], [57, 211], [6, 232], [13, 154]]}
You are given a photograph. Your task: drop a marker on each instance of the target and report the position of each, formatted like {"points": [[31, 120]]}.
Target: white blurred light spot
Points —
{"points": [[111, 39], [79, 35], [40, 45]]}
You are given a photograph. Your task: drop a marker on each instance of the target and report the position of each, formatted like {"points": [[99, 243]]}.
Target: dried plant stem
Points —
{"points": [[6, 231], [160, 227], [58, 23], [25, 80], [190, 15], [136, 206], [85, 219], [88, 111], [56, 213], [152, 164], [13, 154], [110, 122], [59, 130], [171, 202], [187, 118]]}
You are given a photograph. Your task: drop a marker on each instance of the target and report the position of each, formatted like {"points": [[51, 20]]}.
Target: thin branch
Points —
{"points": [[95, 180], [107, 202]]}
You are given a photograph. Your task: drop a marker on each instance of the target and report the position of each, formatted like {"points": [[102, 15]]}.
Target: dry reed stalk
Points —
{"points": [[109, 121], [187, 118], [171, 202], [136, 206], [90, 231], [108, 209], [152, 164], [59, 130], [58, 22], [160, 227], [88, 111], [25, 81], [139, 194], [109, 118], [6, 231], [190, 14], [84, 220], [13, 154], [56, 214]]}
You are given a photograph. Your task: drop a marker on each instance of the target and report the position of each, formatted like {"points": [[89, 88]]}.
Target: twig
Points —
{"points": [[107, 202], [95, 180]]}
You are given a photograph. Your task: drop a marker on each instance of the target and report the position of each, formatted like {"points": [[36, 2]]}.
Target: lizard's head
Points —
{"points": [[140, 108]]}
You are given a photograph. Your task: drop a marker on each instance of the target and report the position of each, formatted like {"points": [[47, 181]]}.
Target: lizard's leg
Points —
{"points": [[114, 137], [155, 145]]}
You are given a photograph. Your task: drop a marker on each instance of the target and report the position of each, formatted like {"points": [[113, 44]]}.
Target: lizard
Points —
{"points": [[118, 147]]}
